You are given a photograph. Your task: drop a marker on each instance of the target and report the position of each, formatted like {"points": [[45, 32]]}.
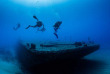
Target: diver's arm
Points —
{"points": [[27, 27], [34, 26], [30, 26]]}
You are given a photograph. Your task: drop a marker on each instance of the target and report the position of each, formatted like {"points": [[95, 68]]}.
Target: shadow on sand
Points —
{"points": [[82, 66]]}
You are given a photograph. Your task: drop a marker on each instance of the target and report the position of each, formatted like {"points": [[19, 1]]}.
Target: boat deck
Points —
{"points": [[57, 47]]}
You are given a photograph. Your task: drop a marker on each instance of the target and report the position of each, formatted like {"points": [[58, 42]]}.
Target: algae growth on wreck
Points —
{"points": [[80, 21]]}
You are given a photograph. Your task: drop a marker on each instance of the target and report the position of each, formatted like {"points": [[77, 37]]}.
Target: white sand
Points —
{"points": [[9, 67], [8, 64], [102, 55]]}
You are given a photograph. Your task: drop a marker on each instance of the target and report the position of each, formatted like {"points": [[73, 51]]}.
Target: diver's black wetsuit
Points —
{"points": [[56, 27], [38, 24]]}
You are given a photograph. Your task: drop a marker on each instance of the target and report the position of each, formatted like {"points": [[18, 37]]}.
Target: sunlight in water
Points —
{"points": [[39, 2]]}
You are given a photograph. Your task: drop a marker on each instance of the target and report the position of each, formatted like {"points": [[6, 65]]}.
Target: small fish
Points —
{"points": [[16, 28]]}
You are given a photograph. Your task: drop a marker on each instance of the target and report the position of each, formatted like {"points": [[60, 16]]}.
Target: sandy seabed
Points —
{"points": [[11, 67], [102, 56]]}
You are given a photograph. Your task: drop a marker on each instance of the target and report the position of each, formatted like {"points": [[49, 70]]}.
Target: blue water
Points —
{"points": [[80, 19]]}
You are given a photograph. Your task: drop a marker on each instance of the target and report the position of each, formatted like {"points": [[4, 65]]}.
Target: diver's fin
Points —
{"points": [[35, 18], [56, 35]]}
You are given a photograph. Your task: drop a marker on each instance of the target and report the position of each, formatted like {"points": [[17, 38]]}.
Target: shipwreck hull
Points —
{"points": [[29, 59]]}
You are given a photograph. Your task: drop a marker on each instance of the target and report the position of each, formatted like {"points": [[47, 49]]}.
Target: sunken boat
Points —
{"points": [[30, 55]]}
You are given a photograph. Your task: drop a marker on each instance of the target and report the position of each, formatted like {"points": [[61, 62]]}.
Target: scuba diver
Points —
{"points": [[56, 27], [39, 24], [16, 28]]}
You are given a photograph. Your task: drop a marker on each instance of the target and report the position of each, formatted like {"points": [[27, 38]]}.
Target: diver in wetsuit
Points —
{"points": [[56, 27], [39, 24]]}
